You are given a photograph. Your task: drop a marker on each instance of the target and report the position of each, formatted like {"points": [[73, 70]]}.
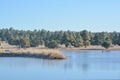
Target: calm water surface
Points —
{"points": [[80, 65]]}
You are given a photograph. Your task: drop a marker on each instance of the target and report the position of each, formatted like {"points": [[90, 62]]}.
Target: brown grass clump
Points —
{"points": [[32, 52], [57, 56]]}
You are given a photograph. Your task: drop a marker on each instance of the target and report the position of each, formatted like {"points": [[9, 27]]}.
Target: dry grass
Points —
{"points": [[30, 50], [1, 50]]}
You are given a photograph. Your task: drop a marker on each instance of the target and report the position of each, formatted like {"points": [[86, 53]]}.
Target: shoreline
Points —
{"points": [[46, 53], [29, 55], [91, 48]]}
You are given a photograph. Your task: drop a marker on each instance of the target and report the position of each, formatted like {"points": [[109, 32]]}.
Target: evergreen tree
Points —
{"points": [[69, 38], [86, 38], [118, 40], [24, 43], [53, 44], [107, 43], [78, 40]]}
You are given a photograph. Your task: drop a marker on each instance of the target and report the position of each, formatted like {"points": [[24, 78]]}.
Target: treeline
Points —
{"points": [[55, 39]]}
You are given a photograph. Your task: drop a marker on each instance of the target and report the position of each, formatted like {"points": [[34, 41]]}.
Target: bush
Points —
{"points": [[52, 44], [107, 43]]}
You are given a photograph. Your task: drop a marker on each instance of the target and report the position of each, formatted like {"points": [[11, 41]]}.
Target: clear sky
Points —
{"points": [[74, 15]]}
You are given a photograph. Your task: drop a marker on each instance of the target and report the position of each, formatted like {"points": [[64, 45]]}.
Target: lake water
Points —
{"points": [[80, 65]]}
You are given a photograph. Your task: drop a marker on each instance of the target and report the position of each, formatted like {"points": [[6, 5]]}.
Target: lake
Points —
{"points": [[79, 65]]}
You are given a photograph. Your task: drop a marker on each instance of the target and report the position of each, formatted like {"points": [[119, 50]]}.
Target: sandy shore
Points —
{"points": [[92, 48], [46, 53]]}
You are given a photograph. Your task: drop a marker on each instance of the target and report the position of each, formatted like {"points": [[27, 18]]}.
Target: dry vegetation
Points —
{"points": [[7, 50], [36, 52]]}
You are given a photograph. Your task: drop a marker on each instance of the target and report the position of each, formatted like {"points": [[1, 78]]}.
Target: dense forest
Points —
{"points": [[55, 39]]}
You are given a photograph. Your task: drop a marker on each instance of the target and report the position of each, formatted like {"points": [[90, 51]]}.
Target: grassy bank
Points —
{"points": [[32, 52]]}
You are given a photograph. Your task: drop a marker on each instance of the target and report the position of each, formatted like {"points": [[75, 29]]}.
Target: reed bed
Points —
{"points": [[32, 52]]}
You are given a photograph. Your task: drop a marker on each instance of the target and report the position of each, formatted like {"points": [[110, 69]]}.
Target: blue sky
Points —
{"points": [[74, 15]]}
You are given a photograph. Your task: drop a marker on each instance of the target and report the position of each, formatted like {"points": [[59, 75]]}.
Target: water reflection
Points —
{"points": [[85, 60], [78, 65], [24, 62]]}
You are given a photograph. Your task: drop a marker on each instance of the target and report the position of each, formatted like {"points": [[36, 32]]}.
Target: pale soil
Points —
{"points": [[93, 48]]}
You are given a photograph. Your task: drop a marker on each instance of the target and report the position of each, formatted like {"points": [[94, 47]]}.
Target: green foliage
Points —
{"points": [[78, 41], [85, 35], [86, 43], [118, 40], [86, 38], [67, 44], [24, 42], [107, 43], [69, 38], [14, 41], [53, 44], [36, 42]]}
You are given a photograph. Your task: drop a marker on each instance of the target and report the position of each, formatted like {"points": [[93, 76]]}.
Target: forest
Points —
{"points": [[54, 39]]}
